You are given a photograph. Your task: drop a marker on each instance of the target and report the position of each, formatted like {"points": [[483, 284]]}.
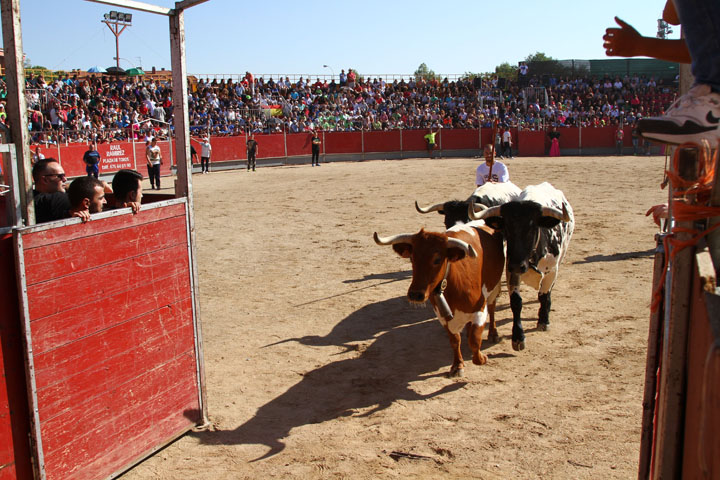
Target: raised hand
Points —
{"points": [[621, 42]]}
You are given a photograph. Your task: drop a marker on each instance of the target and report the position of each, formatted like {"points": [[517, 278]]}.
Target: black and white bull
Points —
{"points": [[490, 195], [537, 227]]}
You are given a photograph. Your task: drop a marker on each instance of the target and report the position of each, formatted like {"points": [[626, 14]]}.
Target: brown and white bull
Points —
{"points": [[459, 271]]}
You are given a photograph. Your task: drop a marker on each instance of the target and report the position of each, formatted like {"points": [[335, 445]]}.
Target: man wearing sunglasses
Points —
{"points": [[51, 201]]}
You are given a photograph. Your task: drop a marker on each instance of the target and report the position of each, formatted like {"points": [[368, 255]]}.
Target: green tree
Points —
{"points": [[538, 57], [424, 73], [505, 70]]}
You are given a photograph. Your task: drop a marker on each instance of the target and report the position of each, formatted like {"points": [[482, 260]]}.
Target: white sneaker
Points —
{"points": [[691, 118]]}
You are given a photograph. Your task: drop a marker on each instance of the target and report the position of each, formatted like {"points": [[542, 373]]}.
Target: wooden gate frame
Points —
{"points": [[21, 185], [60, 336]]}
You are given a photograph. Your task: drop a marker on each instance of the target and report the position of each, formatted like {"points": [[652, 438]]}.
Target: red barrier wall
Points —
{"points": [[382, 141], [119, 154], [597, 138], [300, 144], [115, 361], [225, 148], [414, 140], [460, 139], [14, 417], [570, 137], [531, 144], [343, 142]]}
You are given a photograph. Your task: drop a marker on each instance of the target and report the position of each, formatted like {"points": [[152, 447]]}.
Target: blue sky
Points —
{"points": [[299, 37]]}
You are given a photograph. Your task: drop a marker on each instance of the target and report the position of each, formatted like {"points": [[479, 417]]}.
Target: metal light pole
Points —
{"points": [[115, 20], [333, 71]]}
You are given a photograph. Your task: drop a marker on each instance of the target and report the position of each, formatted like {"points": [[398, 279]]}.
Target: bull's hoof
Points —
{"points": [[479, 358], [456, 372], [518, 345], [493, 337], [543, 327]]}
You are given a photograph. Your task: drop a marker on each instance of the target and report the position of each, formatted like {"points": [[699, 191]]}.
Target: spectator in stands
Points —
{"points": [[252, 150], [154, 160], [86, 195], [92, 160], [492, 170], [205, 151], [51, 201], [127, 189]]}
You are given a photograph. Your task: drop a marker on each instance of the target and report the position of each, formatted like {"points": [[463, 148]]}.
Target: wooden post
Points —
{"points": [[713, 238], [183, 185], [673, 374], [651, 366], [16, 105]]}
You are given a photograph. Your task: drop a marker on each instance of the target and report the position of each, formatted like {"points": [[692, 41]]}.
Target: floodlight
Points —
{"points": [[113, 15], [128, 17], [107, 16]]}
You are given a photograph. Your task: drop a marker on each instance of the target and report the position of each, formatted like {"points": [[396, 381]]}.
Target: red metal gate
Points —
{"points": [[113, 348]]}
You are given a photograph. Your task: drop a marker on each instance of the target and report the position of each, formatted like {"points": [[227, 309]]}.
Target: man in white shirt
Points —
{"points": [[205, 151], [507, 143], [154, 159], [491, 170]]}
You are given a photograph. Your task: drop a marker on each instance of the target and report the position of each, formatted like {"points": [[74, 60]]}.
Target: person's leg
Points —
{"points": [[700, 20], [156, 168], [694, 116], [151, 176]]}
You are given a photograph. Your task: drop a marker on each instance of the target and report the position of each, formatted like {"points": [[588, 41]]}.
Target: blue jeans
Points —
{"points": [[700, 21]]}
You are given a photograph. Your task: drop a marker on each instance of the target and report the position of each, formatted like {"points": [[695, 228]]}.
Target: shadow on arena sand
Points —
{"points": [[358, 386]]}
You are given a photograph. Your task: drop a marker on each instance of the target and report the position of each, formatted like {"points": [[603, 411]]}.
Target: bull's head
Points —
{"points": [[455, 211], [429, 253], [520, 223]]}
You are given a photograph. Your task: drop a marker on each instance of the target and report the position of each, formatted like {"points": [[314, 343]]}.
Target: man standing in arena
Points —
{"points": [[154, 159], [252, 150], [507, 143], [491, 170], [619, 135], [430, 141], [315, 141], [205, 151], [92, 160]]}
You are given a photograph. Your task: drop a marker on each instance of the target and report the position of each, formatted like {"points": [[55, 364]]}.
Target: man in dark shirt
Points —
{"points": [[92, 160], [252, 150], [51, 201]]}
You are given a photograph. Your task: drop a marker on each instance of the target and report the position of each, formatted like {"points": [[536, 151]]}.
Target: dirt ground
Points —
{"points": [[318, 367]]}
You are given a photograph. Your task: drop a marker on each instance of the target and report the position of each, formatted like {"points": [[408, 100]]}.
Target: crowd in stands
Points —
{"points": [[104, 108]]}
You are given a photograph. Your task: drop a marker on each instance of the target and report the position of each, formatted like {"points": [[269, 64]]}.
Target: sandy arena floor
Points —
{"points": [[318, 367]]}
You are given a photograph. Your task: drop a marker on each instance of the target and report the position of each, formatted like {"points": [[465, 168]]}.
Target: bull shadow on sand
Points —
{"points": [[394, 345], [391, 276], [615, 257]]}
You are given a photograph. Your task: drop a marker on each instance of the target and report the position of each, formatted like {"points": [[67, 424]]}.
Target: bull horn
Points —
{"points": [[431, 208], [392, 240], [556, 213], [469, 250], [485, 212]]}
